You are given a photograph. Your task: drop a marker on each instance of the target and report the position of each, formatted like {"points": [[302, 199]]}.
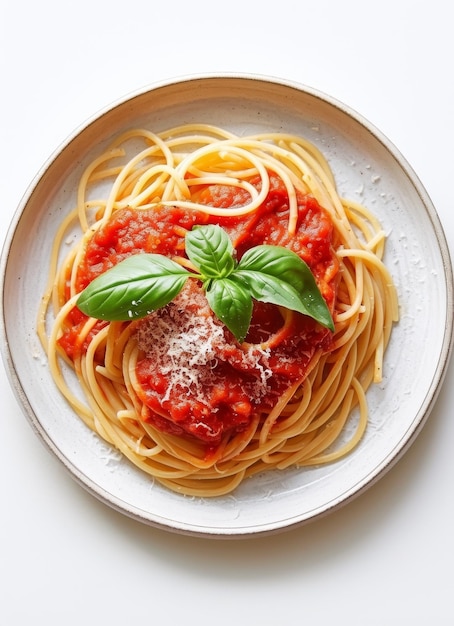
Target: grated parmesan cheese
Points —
{"points": [[185, 343]]}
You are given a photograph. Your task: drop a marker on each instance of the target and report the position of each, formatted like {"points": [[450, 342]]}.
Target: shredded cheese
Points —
{"points": [[185, 343]]}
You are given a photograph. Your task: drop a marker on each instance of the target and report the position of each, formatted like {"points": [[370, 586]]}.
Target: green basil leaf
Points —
{"points": [[133, 288], [278, 275], [210, 249], [279, 262], [232, 304], [270, 289]]}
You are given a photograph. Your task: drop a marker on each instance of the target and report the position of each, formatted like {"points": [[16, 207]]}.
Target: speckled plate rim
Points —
{"points": [[291, 518]]}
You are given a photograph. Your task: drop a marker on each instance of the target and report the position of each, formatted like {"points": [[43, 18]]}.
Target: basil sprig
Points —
{"points": [[143, 283]]}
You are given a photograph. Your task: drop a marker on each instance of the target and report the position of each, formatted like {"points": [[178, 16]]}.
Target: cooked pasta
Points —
{"points": [[174, 391]]}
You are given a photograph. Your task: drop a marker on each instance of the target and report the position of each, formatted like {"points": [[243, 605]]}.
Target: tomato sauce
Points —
{"points": [[228, 385]]}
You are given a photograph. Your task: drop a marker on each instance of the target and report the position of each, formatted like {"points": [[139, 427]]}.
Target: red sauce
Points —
{"points": [[229, 389]]}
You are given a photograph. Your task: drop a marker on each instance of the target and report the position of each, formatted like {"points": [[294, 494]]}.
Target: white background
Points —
{"points": [[384, 559]]}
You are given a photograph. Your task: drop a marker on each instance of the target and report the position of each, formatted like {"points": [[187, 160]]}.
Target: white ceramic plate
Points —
{"points": [[367, 168]]}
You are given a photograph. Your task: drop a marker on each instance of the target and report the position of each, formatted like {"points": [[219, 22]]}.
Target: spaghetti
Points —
{"points": [[175, 392]]}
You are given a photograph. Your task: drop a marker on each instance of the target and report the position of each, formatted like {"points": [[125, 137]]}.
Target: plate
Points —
{"points": [[368, 168]]}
